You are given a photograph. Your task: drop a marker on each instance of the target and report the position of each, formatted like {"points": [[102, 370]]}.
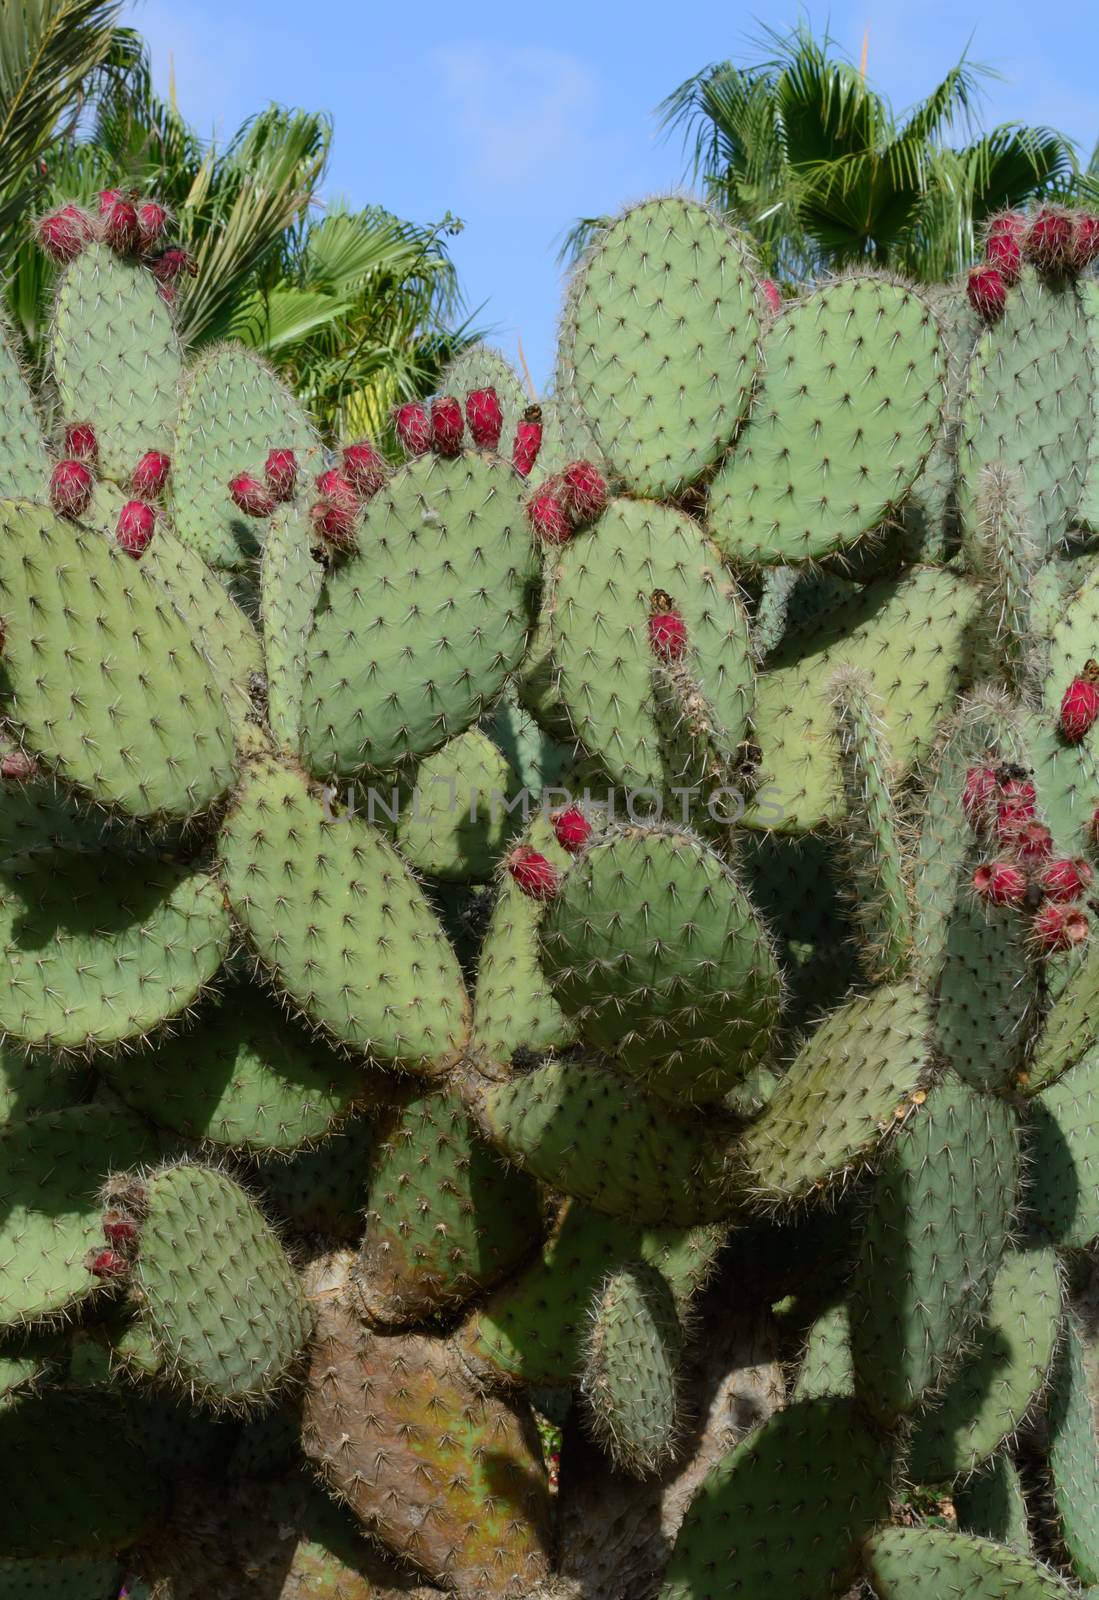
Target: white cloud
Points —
{"points": [[520, 110]]}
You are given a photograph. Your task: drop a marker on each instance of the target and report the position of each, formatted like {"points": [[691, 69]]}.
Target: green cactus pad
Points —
{"points": [[33, 1083], [321, 1191], [455, 822], [82, 1487], [417, 631], [101, 948], [290, 584], [991, 1505], [244, 1077], [536, 683], [587, 1131], [1073, 642], [445, 1217], [52, 1168], [1074, 1457], [915, 1563], [826, 1366], [630, 1378], [35, 814], [653, 946], [116, 358], [858, 1078], [989, 1396], [850, 405], [537, 761], [1067, 779], [1069, 1032], [984, 731], [104, 675], [987, 991], [60, 1578], [531, 1329], [941, 1215], [636, 307], [908, 635], [215, 1289], [786, 1508], [599, 629], [513, 1004], [24, 465], [930, 513], [1030, 405], [331, 910], [232, 413], [1063, 1193]]}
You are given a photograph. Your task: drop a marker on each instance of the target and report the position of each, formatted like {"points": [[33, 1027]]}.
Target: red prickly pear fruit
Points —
{"points": [[106, 1263], [413, 428], [334, 522], [1017, 804], [280, 473], [107, 198], [772, 294], [150, 476], [532, 873], [978, 797], [447, 425], [572, 829], [81, 443], [1085, 240], [152, 219], [528, 441], [485, 417], [1048, 240], [120, 226], [119, 1229], [71, 485], [64, 233], [548, 517], [667, 630], [1004, 245], [250, 496], [1056, 927], [171, 265], [1080, 704], [1033, 841], [1066, 879], [987, 292], [18, 767], [134, 528], [1001, 883], [364, 468], [332, 485], [584, 491]]}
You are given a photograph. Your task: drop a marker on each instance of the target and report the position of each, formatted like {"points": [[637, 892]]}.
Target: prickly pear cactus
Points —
{"points": [[493, 938]]}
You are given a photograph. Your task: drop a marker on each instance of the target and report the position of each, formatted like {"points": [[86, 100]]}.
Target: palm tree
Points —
{"points": [[356, 309], [822, 173]]}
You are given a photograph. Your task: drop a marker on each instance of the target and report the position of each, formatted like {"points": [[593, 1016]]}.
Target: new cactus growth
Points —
{"points": [[616, 888]]}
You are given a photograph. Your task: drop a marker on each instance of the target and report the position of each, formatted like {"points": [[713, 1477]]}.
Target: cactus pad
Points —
{"points": [[599, 631], [653, 946], [1063, 1193], [456, 821], [630, 1379], [1074, 1457], [857, 1079], [216, 1290], [821, 1473], [850, 405], [105, 676], [374, 967], [24, 465], [909, 1563], [416, 633], [101, 948], [290, 583], [116, 357], [665, 279]]}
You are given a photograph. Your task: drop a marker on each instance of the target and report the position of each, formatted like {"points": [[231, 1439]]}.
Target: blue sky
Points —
{"points": [[519, 117]]}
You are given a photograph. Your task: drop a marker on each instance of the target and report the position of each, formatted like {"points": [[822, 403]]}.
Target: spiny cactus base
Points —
{"points": [[549, 1002]]}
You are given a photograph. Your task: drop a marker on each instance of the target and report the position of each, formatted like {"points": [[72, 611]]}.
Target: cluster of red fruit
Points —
{"points": [[114, 1257], [1054, 241], [73, 481], [567, 502], [341, 491], [132, 227], [441, 427], [1001, 805]]}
